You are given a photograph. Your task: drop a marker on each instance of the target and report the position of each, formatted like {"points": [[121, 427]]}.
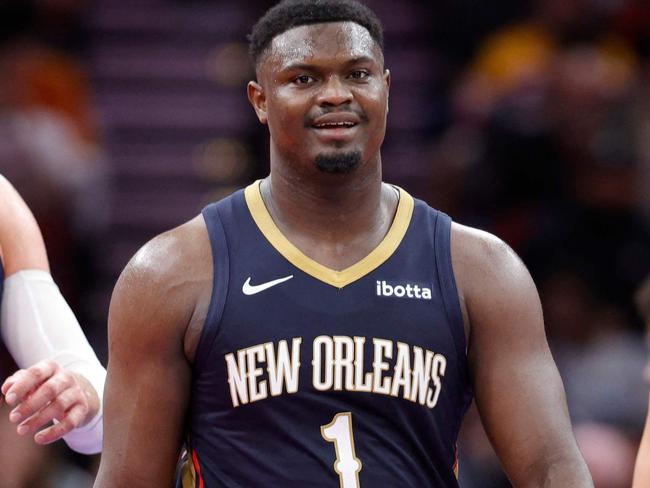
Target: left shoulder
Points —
{"points": [[478, 250], [490, 276]]}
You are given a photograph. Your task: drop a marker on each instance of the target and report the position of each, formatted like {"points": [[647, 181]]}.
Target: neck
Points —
{"points": [[325, 205]]}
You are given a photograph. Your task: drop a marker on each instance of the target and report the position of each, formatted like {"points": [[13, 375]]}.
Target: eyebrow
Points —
{"points": [[311, 67]]}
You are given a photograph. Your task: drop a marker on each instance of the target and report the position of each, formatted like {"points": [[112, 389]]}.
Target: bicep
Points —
{"points": [[21, 242], [518, 389], [147, 386]]}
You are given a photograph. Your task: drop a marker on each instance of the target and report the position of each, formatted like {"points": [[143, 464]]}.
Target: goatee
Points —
{"points": [[338, 163]]}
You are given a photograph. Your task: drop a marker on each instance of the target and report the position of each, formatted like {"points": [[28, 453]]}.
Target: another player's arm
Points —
{"points": [[642, 466], [149, 374], [62, 375], [21, 242], [519, 393]]}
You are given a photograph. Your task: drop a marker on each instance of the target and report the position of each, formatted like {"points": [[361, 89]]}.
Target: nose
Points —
{"points": [[334, 92]]}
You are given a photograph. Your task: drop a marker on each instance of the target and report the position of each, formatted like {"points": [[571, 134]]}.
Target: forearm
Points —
{"points": [[561, 471], [144, 436], [38, 324], [128, 478]]}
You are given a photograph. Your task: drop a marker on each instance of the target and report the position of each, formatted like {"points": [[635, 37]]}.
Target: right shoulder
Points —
{"points": [[164, 283], [170, 254]]}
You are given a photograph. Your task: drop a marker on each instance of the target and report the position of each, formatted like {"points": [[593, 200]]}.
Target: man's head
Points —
{"points": [[321, 84], [294, 13]]}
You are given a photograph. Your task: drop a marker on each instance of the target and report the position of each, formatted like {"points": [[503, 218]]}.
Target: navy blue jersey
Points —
{"points": [[306, 376]]}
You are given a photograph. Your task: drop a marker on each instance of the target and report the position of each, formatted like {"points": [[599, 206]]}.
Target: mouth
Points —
{"points": [[336, 127], [336, 120], [335, 133]]}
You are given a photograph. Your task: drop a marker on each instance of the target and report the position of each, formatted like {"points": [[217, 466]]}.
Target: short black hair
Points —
{"points": [[294, 13]]}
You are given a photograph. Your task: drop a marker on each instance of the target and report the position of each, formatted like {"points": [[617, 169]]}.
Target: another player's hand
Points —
{"points": [[45, 392]]}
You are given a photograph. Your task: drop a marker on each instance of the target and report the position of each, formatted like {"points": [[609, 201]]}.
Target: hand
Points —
{"points": [[45, 392]]}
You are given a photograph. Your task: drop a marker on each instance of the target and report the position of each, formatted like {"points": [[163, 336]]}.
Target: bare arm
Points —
{"points": [[149, 374], [21, 242], [642, 466], [518, 389]]}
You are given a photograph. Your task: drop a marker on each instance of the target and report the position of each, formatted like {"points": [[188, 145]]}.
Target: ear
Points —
{"points": [[257, 97], [387, 81]]}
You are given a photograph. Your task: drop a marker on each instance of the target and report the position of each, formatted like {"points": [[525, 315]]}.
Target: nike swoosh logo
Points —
{"points": [[249, 289]]}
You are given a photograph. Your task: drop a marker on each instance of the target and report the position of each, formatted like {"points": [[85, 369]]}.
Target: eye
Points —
{"points": [[359, 74], [303, 80]]}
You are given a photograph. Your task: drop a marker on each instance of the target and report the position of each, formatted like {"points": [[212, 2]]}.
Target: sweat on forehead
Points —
{"points": [[341, 39], [289, 14]]}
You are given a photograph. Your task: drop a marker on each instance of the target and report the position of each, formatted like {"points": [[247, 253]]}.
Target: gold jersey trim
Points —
{"points": [[295, 256], [188, 473]]}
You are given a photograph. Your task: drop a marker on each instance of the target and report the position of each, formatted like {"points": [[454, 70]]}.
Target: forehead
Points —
{"points": [[332, 40]]}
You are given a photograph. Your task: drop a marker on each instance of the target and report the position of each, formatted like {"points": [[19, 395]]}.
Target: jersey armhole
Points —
{"points": [[220, 279], [447, 282], [451, 302]]}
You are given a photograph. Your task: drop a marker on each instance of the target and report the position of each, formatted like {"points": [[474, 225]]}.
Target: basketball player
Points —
{"points": [[322, 328], [62, 380], [642, 467]]}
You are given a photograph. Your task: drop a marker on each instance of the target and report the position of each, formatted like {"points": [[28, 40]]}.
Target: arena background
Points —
{"points": [[530, 119]]}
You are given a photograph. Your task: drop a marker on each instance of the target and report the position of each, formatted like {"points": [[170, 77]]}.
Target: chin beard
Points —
{"points": [[338, 163]]}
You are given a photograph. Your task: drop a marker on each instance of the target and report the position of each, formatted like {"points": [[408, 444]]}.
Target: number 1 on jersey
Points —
{"points": [[347, 465]]}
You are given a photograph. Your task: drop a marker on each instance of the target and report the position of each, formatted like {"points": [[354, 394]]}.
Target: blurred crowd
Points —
{"points": [[550, 133], [539, 132], [50, 150]]}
